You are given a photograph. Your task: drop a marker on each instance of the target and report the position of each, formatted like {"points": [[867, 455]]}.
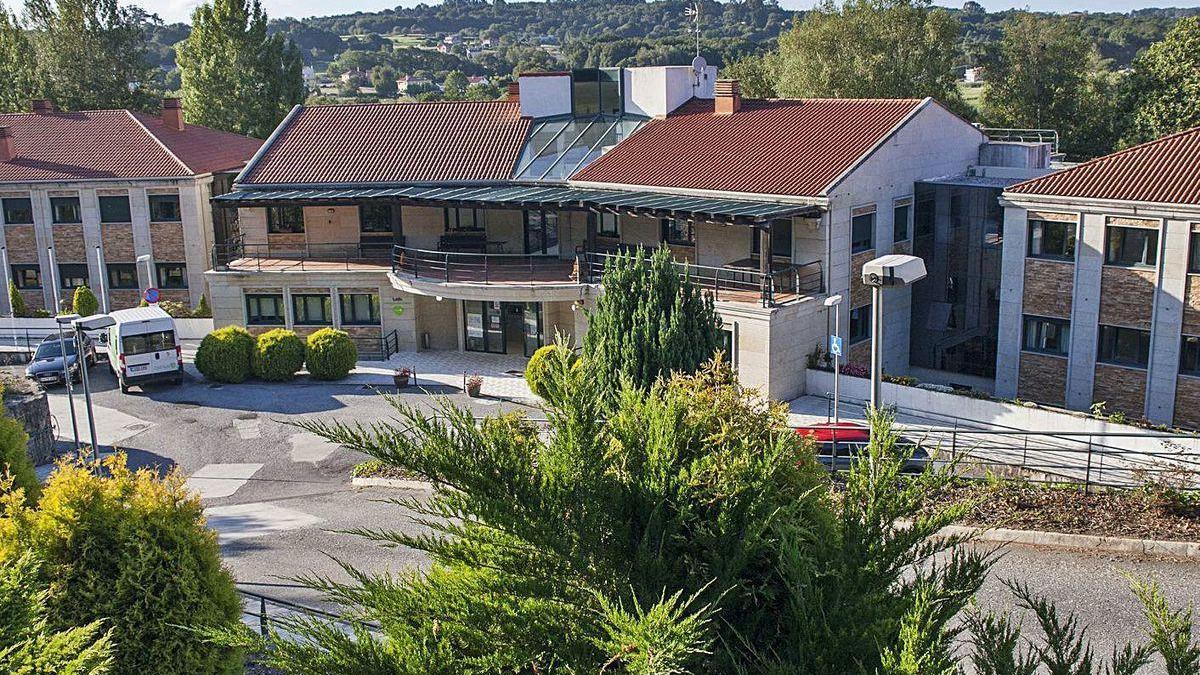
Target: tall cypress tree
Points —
{"points": [[650, 321], [228, 60]]}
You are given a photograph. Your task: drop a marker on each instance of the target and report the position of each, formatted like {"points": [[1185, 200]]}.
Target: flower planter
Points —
{"points": [[473, 390], [400, 380]]}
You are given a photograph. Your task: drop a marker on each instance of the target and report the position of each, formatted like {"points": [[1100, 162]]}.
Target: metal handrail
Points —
{"points": [[449, 266], [347, 253]]}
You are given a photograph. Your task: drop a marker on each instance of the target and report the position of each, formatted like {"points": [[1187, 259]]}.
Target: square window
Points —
{"points": [[463, 220], [122, 276], [1124, 346], [1194, 254], [860, 324], [1051, 239], [678, 232], [901, 213], [65, 210], [312, 309], [862, 232], [1047, 336], [265, 309], [115, 210], [360, 309], [285, 219], [72, 275], [375, 218], [164, 209], [1131, 246], [27, 276], [18, 211], [1189, 356], [781, 239], [610, 226], [172, 275]]}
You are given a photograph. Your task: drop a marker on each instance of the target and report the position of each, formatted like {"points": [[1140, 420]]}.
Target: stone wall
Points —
{"points": [[21, 241], [166, 241], [1049, 287], [33, 411], [1043, 378], [1187, 402], [69, 246], [1127, 297], [1121, 389], [117, 241]]}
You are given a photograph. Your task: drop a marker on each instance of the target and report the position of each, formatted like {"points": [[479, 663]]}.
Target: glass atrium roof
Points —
{"points": [[558, 148]]}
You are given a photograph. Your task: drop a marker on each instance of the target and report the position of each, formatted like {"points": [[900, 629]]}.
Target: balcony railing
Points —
{"points": [[239, 255], [482, 268]]}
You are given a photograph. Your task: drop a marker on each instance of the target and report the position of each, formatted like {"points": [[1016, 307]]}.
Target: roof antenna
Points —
{"points": [[693, 10]]}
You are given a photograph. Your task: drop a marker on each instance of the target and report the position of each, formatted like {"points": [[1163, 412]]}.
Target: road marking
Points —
{"points": [[307, 447], [245, 521], [247, 429], [221, 480]]}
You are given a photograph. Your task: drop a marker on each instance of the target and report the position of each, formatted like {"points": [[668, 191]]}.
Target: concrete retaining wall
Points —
{"points": [[33, 410]]}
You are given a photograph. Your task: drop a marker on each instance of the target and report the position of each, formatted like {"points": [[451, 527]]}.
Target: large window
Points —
{"points": [[1194, 254], [463, 220], [65, 210], [312, 309], [164, 209], [122, 276], [27, 276], [115, 209], [678, 232], [596, 92], [1189, 356], [18, 211], [72, 275], [901, 215], [285, 219], [172, 275], [1048, 336], [148, 343], [1124, 346], [781, 239], [610, 225], [1051, 239], [265, 309], [860, 324], [360, 309], [862, 232], [1131, 246], [377, 218]]}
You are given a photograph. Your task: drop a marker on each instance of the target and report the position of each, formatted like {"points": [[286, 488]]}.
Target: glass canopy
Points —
{"points": [[558, 148]]}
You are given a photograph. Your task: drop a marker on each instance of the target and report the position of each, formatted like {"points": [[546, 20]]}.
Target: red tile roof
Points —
{"points": [[1162, 171], [779, 147], [395, 143], [103, 144]]}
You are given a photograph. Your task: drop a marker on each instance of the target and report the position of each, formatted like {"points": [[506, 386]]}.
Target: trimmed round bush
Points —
{"points": [[537, 371], [278, 355], [330, 354], [84, 301], [225, 355]]}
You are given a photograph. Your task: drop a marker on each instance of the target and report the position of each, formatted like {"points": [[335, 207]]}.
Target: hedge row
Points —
{"points": [[232, 355]]}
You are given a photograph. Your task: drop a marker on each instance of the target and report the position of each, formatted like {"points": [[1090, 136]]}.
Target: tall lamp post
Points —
{"points": [[93, 322], [64, 320], [150, 280], [889, 271], [835, 348]]}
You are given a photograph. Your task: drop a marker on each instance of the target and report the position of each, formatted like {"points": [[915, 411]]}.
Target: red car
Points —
{"points": [[838, 443]]}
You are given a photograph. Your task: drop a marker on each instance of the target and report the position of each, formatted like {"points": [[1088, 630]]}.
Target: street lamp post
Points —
{"points": [[835, 348], [149, 269], [889, 271], [94, 322], [61, 320]]}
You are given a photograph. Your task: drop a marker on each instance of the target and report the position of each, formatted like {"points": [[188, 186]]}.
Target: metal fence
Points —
{"points": [[268, 613]]}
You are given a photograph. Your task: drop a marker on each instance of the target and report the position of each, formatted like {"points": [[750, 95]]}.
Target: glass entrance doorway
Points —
{"points": [[541, 232], [502, 327]]}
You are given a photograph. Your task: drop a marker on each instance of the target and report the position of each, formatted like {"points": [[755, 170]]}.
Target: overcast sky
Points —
{"points": [[180, 10]]}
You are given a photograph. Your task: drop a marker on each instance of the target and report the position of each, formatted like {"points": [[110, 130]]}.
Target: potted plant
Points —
{"points": [[473, 385], [401, 377]]}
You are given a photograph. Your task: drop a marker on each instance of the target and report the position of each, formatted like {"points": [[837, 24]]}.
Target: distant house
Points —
{"points": [[353, 74], [408, 83], [973, 75], [451, 40], [477, 79]]}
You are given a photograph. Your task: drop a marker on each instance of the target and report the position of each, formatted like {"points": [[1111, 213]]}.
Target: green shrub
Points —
{"points": [[85, 302], [203, 310], [17, 301], [330, 354], [225, 354], [177, 310], [537, 371], [278, 355], [14, 460], [130, 548]]}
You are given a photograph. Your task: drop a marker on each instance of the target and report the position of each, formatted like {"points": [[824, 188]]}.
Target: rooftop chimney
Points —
{"points": [[172, 114], [514, 91], [7, 153], [728, 95], [41, 106]]}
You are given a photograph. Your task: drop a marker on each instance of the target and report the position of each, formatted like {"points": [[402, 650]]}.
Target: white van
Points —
{"points": [[142, 347]]}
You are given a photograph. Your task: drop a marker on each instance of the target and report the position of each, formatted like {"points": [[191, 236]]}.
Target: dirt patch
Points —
{"points": [[1150, 513], [373, 468]]}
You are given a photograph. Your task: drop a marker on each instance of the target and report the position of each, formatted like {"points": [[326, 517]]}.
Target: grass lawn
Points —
{"points": [[972, 94]]}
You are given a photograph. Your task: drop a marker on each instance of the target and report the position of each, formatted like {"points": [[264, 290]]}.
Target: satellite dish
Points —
{"points": [[699, 64]]}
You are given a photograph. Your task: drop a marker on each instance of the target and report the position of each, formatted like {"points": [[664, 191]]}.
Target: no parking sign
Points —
{"points": [[151, 295]]}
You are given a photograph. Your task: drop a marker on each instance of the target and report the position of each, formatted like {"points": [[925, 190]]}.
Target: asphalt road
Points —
{"points": [[281, 499]]}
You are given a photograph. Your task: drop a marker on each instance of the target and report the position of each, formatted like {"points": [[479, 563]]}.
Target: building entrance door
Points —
{"points": [[532, 327], [484, 326]]}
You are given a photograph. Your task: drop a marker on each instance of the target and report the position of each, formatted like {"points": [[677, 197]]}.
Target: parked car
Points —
{"points": [[839, 443], [142, 347], [46, 364]]}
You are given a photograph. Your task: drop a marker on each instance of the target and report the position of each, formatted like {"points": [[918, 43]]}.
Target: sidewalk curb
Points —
{"points": [[1089, 542], [390, 482]]}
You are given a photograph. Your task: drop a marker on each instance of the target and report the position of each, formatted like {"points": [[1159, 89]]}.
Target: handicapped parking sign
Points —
{"points": [[835, 345]]}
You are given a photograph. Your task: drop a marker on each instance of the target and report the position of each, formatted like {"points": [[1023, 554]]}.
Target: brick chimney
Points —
{"points": [[41, 106], [172, 114], [514, 91], [7, 153], [728, 95]]}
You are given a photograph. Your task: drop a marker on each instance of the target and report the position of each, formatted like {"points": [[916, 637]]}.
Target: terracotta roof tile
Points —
{"points": [[102, 144], [395, 143], [780, 147], [1162, 171]]}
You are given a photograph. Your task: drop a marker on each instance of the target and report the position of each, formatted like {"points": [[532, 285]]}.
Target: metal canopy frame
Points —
{"points": [[658, 204]]}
